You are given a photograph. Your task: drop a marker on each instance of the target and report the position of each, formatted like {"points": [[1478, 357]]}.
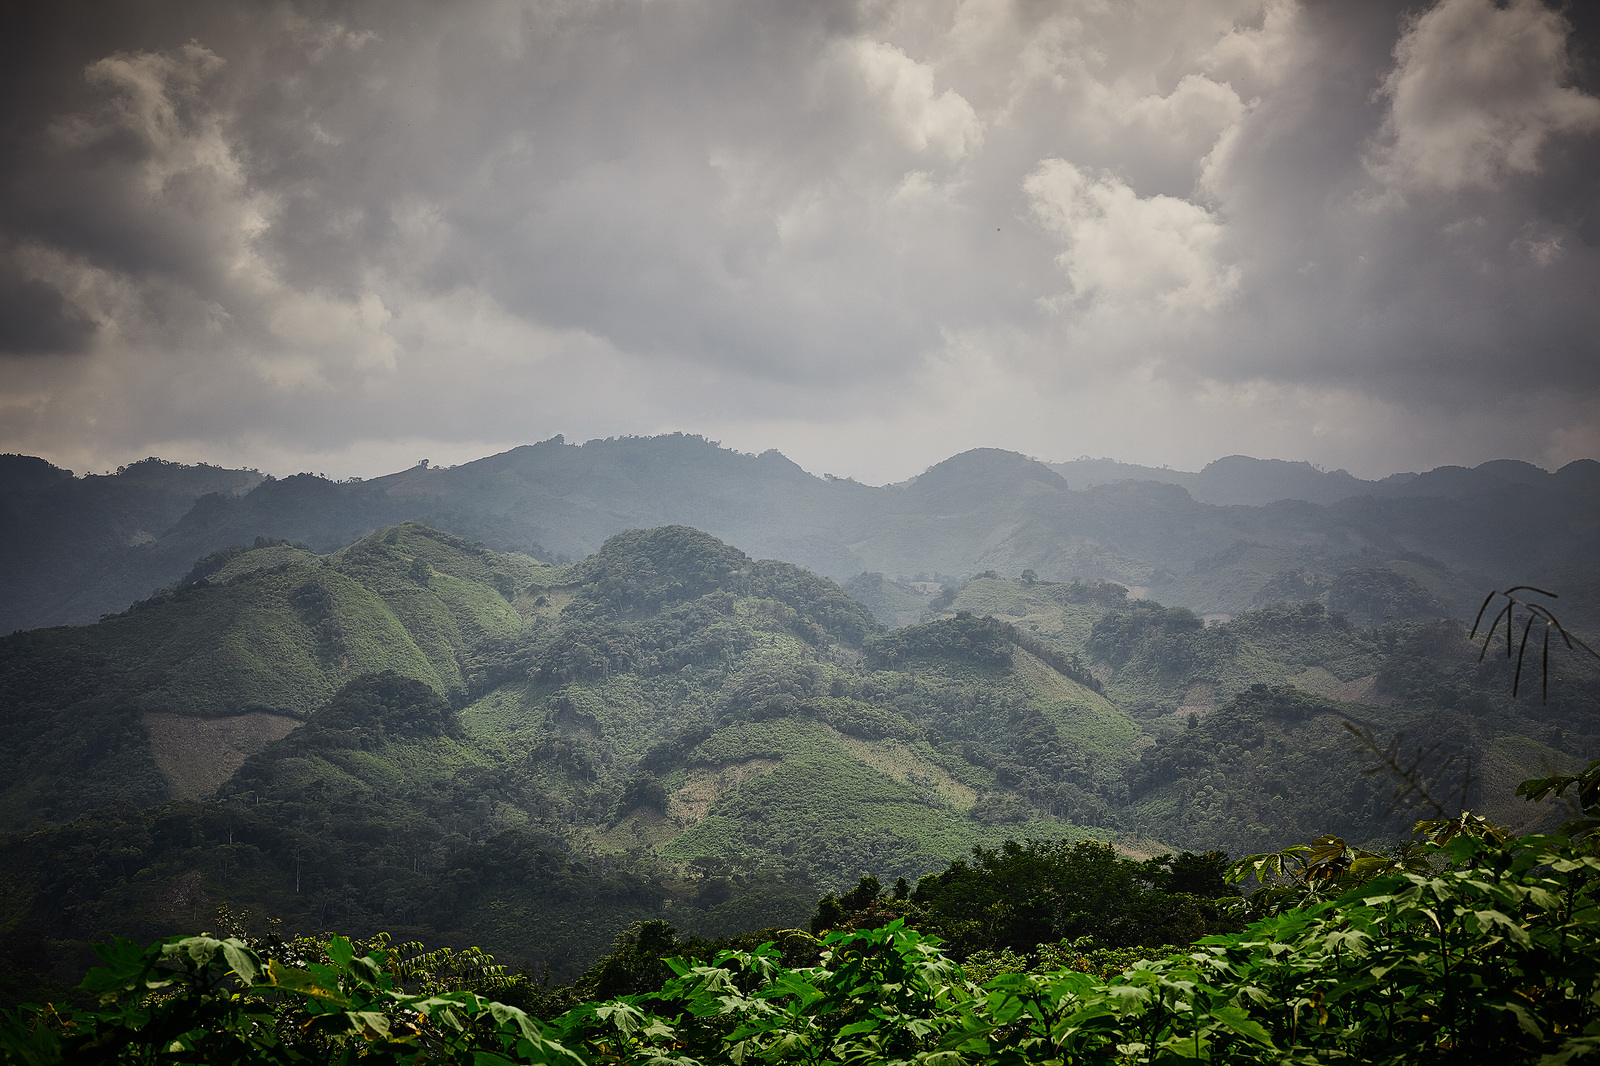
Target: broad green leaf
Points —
{"points": [[306, 982], [340, 951], [1240, 1022], [243, 961]]}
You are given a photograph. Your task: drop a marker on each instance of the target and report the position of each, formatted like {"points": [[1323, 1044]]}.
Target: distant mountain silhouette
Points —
{"points": [[1239, 532], [1239, 479]]}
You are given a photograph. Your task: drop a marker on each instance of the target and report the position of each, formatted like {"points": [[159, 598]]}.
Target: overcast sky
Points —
{"points": [[342, 237]]}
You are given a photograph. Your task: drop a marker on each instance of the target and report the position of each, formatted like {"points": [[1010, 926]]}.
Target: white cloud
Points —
{"points": [[160, 99], [1257, 59], [1148, 255], [923, 117], [1199, 109], [1477, 91], [1540, 243], [216, 291]]}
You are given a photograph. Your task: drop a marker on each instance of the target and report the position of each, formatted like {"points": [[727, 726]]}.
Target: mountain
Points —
{"points": [[72, 548], [1241, 480], [1233, 480], [1244, 743], [1415, 547], [420, 734]]}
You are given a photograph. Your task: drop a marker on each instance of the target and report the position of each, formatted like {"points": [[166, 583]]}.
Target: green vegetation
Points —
{"points": [[419, 735], [1489, 946], [274, 639], [1022, 895], [473, 746]]}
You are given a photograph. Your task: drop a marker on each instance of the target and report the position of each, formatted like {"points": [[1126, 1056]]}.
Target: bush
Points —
{"points": [[1496, 954]]}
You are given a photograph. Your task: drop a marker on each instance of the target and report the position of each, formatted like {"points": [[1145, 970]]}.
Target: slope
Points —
{"points": [[1243, 744], [72, 549], [167, 698], [476, 746]]}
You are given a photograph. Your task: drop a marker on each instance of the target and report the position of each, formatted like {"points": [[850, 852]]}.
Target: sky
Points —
{"points": [[341, 237]]}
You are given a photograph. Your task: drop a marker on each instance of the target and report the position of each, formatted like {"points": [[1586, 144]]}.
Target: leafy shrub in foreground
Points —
{"points": [[216, 1001], [1496, 953]]}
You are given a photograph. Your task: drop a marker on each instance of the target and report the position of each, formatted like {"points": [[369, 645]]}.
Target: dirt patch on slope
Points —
{"points": [[1199, 698], [1362, 690], [894, 759], [706, 785], [196, 755]]}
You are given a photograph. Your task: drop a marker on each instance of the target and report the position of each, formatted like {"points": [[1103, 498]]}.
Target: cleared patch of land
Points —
{"points": [[707, 784], [196, 755], [892, 758]]}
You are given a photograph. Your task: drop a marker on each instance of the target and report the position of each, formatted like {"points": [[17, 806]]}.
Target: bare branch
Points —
{"points": [[1416, 785]]}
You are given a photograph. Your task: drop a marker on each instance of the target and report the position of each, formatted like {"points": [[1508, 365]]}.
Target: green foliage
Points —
{"points": [[1035, 892], [1495, 954], [981, 642], [642, 570], [640, 961], [891, 602], [1165, 634], [1082, 955], [280, 637], [1491, 952], [1302, 635], [1585, 798], [1102, 593], [203, 999], [373, 708], [821, 814], [675, 733], [1375, 594], [236, 560], [1249, 775]]}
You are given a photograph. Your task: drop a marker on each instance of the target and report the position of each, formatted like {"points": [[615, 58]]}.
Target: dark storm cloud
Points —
{"points": [[34, 317], [1435, 251], [1358, 232]]}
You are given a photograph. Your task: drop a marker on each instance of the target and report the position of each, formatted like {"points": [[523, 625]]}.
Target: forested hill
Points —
{"points": [[1408, 548], [417, 733], [73, 548]]}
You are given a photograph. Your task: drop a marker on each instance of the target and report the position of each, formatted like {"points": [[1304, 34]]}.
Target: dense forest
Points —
{"points": [[1466, 944]]}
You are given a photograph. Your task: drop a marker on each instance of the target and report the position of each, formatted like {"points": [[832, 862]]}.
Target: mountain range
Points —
{"points": [[1242, 480], [526, 701], [1240, 533]]}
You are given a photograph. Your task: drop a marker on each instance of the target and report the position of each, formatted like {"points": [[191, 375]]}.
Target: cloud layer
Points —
{"points": [[338, 236]]}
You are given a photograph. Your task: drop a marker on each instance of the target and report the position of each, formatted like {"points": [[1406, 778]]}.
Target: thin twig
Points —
{"points": [[1415, 786], [1516, 678]]}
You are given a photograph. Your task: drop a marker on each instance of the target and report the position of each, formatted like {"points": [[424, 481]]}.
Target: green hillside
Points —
{"points": [[418, 734], [412, 732], [1242, 743], [165, 699]]}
